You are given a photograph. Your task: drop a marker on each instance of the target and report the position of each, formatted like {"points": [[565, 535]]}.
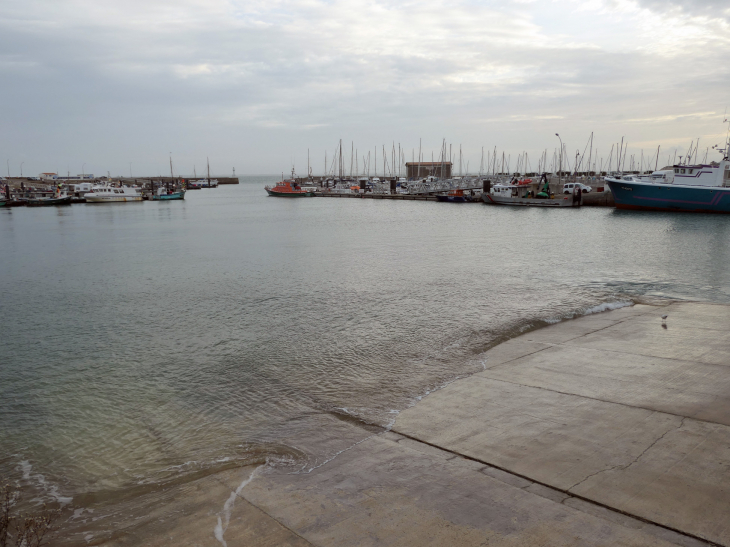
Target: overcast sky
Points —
{"points": [[254, 84]]}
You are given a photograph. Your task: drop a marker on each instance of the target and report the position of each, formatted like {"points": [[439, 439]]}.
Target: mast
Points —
{"points": [[206, 159], [590, 155], [621, 151]]}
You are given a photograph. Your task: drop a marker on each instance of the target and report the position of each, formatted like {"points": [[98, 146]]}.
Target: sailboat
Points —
{"points": [[203, 183]]}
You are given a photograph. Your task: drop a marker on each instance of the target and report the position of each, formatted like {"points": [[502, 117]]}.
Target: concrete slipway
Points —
{"points": [[604, 430]]}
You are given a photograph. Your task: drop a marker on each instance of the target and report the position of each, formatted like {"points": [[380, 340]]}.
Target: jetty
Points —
{"points": [[609, 429]]}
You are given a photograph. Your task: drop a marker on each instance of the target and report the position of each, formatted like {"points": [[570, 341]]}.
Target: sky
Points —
{"points": [[99, 86]]}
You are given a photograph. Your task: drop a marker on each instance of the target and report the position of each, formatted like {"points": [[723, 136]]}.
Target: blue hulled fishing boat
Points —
{"points": [[690, 188]]}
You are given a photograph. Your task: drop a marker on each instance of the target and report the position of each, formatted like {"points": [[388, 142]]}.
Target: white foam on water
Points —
{"points": [[222, 526], [49, 489], [600, 308], [608, 306]]}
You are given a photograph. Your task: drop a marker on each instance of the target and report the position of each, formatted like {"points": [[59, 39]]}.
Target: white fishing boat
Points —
{"points": [[113, 194]]}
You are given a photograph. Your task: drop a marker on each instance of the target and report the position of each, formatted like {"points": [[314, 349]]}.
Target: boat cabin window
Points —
{"points": [[676, 170], [683, 171], [691, 171]]}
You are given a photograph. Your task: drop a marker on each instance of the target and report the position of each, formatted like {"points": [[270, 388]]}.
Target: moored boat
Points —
{"points": [[521, 195], [60, 197], [289, 189], [454, 196], [167, 195], [40, 202], [113, 194], [693, 189]]}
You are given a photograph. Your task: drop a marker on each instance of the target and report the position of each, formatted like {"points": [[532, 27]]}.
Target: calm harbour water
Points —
{"points": [[152, 343]]}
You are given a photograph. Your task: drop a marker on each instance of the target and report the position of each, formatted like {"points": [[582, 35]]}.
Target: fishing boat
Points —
{"points": [[166, 195], [521, 195], [694, 189], [112, 194], [60, 197], [454, 196], [289, 189]]}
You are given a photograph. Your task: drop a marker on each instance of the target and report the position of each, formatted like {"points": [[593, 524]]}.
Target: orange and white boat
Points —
{"points": [[289, 189]]}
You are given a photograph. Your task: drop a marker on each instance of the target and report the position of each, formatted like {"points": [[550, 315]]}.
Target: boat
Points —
{"points": [[60, 197], [202, 183], [694, 189], [454, 196], [113, 194], [289, 189], [208, 182], [166, 195], [521, 195], [16, 202]]}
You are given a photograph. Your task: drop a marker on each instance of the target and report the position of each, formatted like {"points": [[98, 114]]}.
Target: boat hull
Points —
{"points": [[16, 203], [657, 197], [169, 197], [452, 199], [45, 202], [112, 199], [290, 194], [529, 202]]}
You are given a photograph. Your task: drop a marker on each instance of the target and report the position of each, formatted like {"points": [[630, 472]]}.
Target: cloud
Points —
{"points": [[257, 82]]}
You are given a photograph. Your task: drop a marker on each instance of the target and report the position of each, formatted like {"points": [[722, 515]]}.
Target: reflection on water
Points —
{"points": [[149, 344]]}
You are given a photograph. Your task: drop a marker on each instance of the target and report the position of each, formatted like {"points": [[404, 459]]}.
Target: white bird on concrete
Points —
{"points": [[664, 318]]}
